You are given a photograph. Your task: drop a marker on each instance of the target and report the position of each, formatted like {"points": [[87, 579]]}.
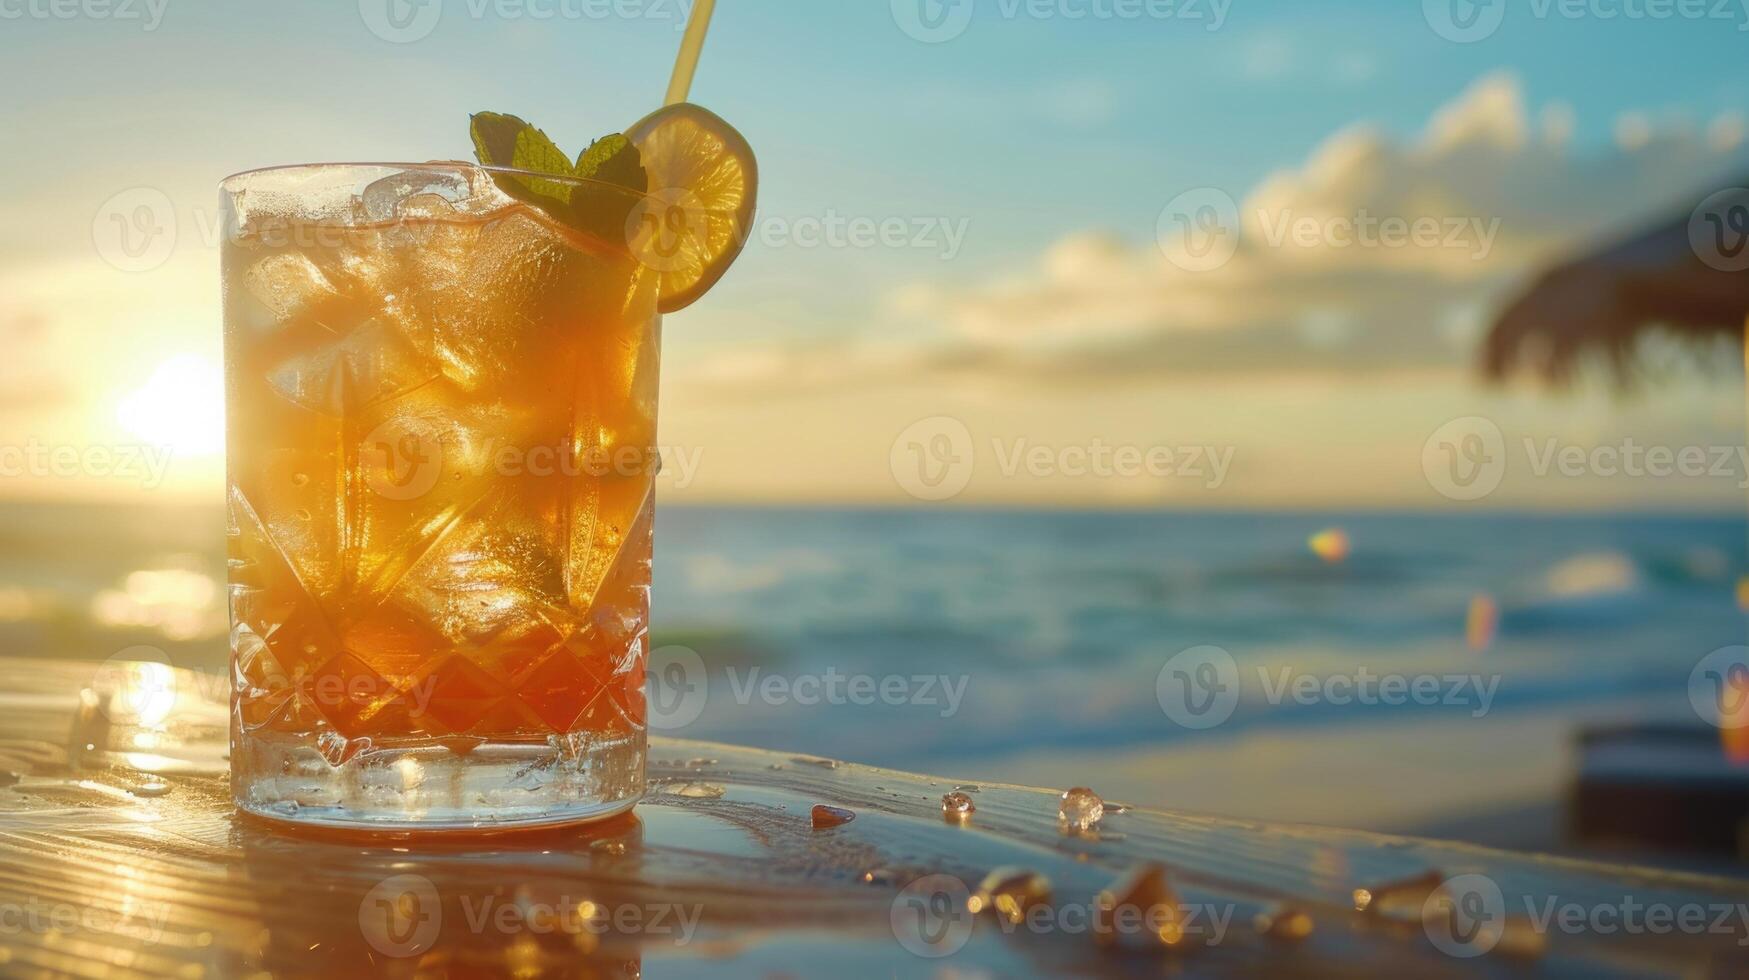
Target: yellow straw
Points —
{"points": [[690, 47]]}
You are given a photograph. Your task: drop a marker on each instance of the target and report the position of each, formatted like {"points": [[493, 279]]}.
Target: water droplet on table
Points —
{"points": [[956, 807], [1080, 810]]}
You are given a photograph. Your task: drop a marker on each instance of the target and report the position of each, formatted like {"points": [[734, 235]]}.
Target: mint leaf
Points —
{"points": [[537, 153], [495, 136], [614, 160], [502, 140], [600, 210]]}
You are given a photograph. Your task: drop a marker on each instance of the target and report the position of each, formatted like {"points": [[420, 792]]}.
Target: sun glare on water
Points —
{"points": [[180, 406]]}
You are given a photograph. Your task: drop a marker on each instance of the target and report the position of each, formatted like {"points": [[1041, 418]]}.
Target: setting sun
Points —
{"points": [[180, 406]]}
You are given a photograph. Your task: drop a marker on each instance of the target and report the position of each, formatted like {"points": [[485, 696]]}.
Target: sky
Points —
{"points": [[1039, 332]]}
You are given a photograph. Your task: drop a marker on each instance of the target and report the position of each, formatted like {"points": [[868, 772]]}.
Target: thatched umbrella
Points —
{"points": [[1676, 277], [1688, 277]]}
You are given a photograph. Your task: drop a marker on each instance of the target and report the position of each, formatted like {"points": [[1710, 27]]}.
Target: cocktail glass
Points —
{"points": [[441, 452]]}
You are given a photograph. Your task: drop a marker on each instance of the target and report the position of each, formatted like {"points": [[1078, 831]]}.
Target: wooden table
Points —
{"points": [[120, 855]]}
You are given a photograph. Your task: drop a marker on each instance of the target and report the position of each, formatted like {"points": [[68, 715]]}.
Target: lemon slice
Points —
{"points": [[699, 210]]}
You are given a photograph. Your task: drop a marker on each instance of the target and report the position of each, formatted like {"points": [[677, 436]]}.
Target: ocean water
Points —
{"points": [[1029, 646], [1062, 622]]}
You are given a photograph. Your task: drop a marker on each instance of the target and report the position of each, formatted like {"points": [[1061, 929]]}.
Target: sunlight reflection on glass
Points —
{"points": [[412, 773]]}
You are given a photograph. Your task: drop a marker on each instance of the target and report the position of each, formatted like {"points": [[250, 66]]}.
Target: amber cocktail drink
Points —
{"points": [[441, 437]]}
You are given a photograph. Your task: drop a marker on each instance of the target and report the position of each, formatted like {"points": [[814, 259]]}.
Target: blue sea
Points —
{"points": [[1029, 646]]}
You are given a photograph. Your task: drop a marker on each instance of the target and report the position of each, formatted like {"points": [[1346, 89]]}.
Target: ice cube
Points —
{"points": [[364, 267], [425, 205], [412, 191], [372, 362], [428, 459], [522, 303], [492, 331], [503, 572], [288, 286], [492, 582]]}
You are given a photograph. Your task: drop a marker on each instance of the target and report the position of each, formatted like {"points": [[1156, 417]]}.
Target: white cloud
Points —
{"points": [[1307, 290]]}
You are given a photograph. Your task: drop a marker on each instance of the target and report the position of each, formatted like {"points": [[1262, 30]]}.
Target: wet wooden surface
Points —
{"points": [[120, 855]]}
